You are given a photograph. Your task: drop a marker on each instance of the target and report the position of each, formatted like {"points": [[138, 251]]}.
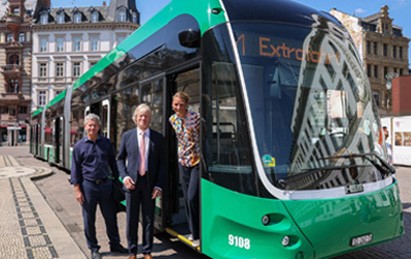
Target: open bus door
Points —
{"points": [[189, 82]]}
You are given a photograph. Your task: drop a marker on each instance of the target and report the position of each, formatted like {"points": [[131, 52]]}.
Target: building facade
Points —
{"points": [[384, 51], [15, 76], [68, 41]]}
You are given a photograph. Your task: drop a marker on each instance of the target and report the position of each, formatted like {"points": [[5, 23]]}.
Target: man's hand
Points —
{"points": [[156, 193], [78, 194], [129, 183]]}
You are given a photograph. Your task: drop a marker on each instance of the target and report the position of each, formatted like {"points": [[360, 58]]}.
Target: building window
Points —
{"points": [[9, 37], [385, 71], [13, 86], [92, 63], [76, 43], [368, 47], [77, 17], [376, 96], [401, 71], [59, 44], [120, 37], [60, 18], [14, 59], [385, 50], [376, 71], [76, 69], [43, 44], [94, 43], [16, 11], [44, 18], [400, 52], [121, 16], [134, 17], [41, 98], [394, 51], [375, 47], [59, 69], [43, 70], [22, 37], [22, 109], [95, 17], [368, 70]]}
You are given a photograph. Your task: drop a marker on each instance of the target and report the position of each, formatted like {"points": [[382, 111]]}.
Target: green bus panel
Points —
{"points": [[232, 226], [232, 223]]}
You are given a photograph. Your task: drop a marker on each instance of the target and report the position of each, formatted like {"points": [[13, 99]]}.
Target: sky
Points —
{"points": [[399, 10]]}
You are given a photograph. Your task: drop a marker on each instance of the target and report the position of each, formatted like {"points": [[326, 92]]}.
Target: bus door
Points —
{"points": [[57, 139], [152, 93], [189, 82]]}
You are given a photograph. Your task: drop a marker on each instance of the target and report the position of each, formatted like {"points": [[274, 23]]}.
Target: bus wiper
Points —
{"points": [[383, 166]]}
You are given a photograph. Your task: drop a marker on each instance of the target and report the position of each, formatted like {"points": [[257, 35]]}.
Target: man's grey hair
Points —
{"points": [[92, 117], [142, 108]]}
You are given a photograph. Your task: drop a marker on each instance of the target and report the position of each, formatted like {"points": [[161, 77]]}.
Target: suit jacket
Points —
{"points": [[128, 159]]}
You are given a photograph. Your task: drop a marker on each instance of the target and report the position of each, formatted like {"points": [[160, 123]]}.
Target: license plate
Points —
{"points": [[361, 240]]}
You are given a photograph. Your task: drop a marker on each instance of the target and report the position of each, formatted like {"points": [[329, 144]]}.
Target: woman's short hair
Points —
{"points": [[183, 96], [92, 117], [142, 108]]}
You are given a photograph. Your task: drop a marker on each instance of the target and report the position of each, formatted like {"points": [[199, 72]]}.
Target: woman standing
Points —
{"points": [[186, 125]]}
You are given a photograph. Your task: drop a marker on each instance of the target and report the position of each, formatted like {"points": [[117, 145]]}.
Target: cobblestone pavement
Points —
{"points": [[29, 228], [43, 220]]}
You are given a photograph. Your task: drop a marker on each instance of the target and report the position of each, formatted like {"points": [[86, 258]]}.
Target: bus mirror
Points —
{"points": [[189, 38]]}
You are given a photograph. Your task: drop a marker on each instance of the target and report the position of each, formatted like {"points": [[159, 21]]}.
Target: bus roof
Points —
{"points": [[37, 112], [198, 9]]}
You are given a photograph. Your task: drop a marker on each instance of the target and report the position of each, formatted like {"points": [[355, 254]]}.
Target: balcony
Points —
{"points": [[13, 22], [11, 71]]}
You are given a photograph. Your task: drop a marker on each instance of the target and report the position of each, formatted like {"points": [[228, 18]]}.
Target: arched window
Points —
{"points": [[9, 37], [22, 37]]}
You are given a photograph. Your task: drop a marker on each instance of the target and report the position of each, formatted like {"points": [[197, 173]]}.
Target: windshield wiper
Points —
{"points": [[383, 166]]}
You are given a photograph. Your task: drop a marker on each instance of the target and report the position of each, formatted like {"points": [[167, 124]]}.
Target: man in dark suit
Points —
{"points": [[93, 157], [141, 164]]}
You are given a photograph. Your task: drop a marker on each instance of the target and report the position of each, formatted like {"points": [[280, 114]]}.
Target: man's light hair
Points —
{"points": [[92, 117], [142, 108]]}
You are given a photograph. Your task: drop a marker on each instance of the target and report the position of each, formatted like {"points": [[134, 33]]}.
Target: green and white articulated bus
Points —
{"points": [[293, 162]]}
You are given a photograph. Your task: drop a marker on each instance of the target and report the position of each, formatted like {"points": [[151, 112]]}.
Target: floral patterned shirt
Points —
{"points": [[187, 130]]}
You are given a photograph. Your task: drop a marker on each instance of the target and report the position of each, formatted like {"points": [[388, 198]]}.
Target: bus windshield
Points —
{"points": [[309, 100], [289, 109]]}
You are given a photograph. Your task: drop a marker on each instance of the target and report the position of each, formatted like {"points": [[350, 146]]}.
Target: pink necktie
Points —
{"points": [[142, 155]]}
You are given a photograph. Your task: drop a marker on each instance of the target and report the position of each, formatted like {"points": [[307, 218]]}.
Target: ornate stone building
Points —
{"points": [[15, 68], [68, 41], [383, 48]]}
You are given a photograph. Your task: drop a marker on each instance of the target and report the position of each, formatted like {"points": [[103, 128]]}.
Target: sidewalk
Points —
{"points": [[29, 228]]}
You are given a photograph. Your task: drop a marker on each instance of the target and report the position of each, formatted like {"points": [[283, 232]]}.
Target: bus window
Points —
{"points": [[152, 94], [105, 119], [122, 108], [227, 147]]}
